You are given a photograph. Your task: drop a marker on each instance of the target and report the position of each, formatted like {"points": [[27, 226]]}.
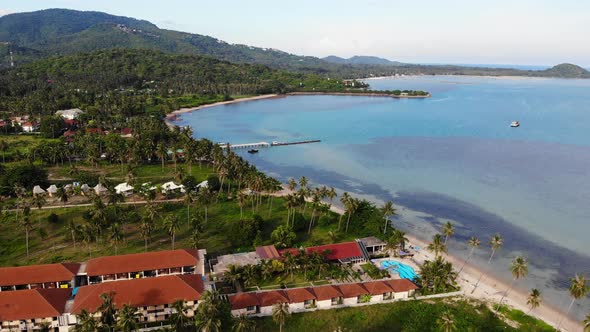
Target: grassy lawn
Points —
{"points": [[409, 316]]}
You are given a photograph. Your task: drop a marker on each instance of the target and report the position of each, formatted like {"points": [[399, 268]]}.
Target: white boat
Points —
{"points": [[515, 124]]}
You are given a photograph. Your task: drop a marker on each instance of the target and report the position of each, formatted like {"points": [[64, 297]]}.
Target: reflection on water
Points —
{"points": [[450, 157]]}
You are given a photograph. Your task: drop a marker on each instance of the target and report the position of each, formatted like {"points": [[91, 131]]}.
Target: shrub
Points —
{"points": [[53, 218]]}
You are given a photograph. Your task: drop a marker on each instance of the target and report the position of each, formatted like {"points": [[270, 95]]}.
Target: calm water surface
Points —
{"points": [[450, 157]]}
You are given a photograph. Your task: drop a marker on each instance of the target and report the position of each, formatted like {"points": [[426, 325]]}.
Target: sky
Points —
{"points": [[525, 32]]}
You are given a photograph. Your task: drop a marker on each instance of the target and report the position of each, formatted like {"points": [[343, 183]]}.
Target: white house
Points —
{"points": [[352, 293], [70, 114], [301, 299], [380, 291], [244, 303], [203, 185], [99, 189], [327, 296], [29, 127], [172, 187], [84, 189], [268, 299], [52, 190], [124, 189], [37, 190]]}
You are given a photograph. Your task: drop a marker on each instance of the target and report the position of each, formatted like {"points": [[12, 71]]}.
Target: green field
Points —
{"points": [[408, 316]]}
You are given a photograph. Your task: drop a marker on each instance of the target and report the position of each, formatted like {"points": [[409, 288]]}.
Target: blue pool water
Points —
{"points": [[452, 157], [404, 271]]}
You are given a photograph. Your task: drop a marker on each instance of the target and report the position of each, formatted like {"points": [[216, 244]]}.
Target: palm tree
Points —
{"points": [[391, 246], [446, 322], [86, 322], [107, 310], [473, 244], [241, 202], [578, 289], [344, 199], [39, 201], [534, 299], [162, 153], [172, 226], [587, 323], [448, 230], [519, 269], [4, 147], [437, 245], [27, 226], [388, 211], [116, 235], [243, 323], [146, 227], [233, 275], [73, 228], [180, 319], [292, 184], [280, 314], [352, 209], [63, 195], [496, 243], [127, 319], [189, 198]]}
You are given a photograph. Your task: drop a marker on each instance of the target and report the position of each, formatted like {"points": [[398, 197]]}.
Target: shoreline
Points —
{"points": [[489, 290], [174, 115], [360, 94]]}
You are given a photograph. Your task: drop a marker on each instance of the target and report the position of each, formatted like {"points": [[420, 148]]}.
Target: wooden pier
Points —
{"points": [[295, 143]]}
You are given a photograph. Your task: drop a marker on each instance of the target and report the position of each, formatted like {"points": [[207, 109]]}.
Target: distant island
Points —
{"points": [[28, 37]]}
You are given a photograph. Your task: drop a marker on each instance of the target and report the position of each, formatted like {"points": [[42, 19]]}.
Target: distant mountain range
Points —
{"points": [[361, 60], [54, 32]]}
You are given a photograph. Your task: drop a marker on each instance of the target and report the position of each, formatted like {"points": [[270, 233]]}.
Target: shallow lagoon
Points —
{"points": [[449, 157]]}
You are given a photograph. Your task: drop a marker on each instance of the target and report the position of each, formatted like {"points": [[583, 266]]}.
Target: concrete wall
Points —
{"points": [[296, 306], [350, 300], [266, 310], [324, 304]]}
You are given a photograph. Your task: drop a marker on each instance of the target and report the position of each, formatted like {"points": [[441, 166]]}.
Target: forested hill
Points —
{"points": [[36, 35], [60, 31], [132, 76]]}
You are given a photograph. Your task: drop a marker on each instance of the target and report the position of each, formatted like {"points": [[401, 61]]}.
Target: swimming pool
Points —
{"points": [[404, 271]]}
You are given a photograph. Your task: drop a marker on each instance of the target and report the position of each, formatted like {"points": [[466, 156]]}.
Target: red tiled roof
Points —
{"points": [[243, 300], [71, 122], [33, 303], [142, 262], [328, 292], [267, 252], [401, 285], [352, 290], [94, 130], [377, 287], [141, 292], [69, 133], [332, 251], [36, 274], [272, 297], [298, 295]]}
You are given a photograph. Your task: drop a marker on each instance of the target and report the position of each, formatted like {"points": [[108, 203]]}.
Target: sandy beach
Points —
{"points": [[174, 115], [490, 289]]}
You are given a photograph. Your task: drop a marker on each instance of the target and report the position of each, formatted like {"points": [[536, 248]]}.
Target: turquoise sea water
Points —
{"points": [[450, 157]]}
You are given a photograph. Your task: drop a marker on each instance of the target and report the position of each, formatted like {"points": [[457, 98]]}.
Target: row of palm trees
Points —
{"points": [[578, 289]]}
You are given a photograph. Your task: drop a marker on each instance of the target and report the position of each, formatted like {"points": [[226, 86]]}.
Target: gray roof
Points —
{"points": [[372, 241]]}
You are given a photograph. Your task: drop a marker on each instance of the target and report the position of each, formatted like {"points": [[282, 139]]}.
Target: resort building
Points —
{"points": [[70, 114], [153, 297], [380, 291], [124, 189], [38, 276], [268, 299], [352, 293], [402, 288], [327, 296], [346, 252], [373, 245], [301, 299], [143, 265], [244, 303], [33, 309]]}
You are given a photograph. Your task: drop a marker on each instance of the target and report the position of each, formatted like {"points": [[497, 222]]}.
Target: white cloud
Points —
{"points": [[4, 12]]}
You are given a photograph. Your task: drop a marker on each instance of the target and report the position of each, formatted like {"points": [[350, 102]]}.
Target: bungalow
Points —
{"points": [[38, 276], [37, 190], [327, 296], [301, 298], [402, 288], [380, 291], [70, 114], [352, 293], [268, 299], [32, 309], [52, 190], [84, 189], [143, 265], [152, 297], [29, 127], [171, 187], [244, 303], [124, 189], [99, 189]]}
